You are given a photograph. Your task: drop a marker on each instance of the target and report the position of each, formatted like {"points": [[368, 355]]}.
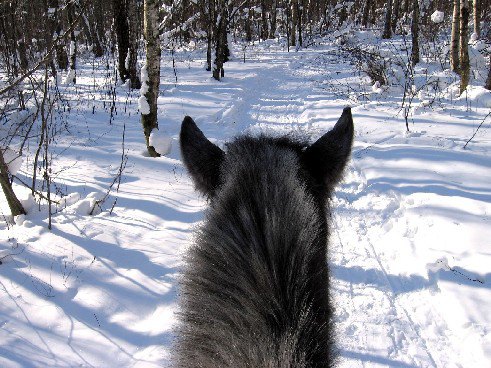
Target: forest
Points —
{"points": [[98, 209]]}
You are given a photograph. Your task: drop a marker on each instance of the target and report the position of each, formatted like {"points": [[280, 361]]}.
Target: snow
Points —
{"points": [[143, 105], [437, 16], [409, 249], [376, 88], [160, 141], [72, 48], [479, 96], [69, 76], [13, 160]]}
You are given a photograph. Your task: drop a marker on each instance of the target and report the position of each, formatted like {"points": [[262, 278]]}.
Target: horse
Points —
{"points": [[254, 291]]}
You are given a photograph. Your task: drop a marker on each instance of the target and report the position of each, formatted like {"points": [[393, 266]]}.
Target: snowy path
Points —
{"points": [[409, 249]]}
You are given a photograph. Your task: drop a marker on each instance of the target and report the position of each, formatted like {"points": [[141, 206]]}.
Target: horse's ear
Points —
{"points": [[201, 157], [326, 158]]}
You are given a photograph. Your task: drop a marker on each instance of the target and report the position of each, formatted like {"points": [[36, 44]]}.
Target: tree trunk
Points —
{"points": [[477, 17], [463, 45], [15, 206], [120, 12], [366, 13], [133, 44], [294, 13], [152, 47], [454, 43], [210, 27], [299, 24], [387, 23], [272, 31], [73, 45], [487, 85], [264, 21], [395, 20], [415, 33], [98, 30], [248, 21], [61, 55], [220, 39]]}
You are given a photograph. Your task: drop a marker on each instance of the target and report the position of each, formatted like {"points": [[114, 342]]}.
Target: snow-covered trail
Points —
{"points": [[409, 248], [387, 258]]}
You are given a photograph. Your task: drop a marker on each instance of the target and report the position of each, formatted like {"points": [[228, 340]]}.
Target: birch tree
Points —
{"points": [[151, 71], [476, 17]]}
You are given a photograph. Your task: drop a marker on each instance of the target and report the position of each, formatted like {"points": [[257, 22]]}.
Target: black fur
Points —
{"points": [[255, 290]]}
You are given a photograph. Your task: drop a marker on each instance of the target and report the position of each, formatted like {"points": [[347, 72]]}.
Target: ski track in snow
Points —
{"points": [[101, 291]]}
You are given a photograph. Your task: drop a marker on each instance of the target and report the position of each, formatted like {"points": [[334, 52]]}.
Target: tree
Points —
{"points": [[487, 85], [264, 21], [120, 13], [152, 67], [366, 13], [454, 43], [272, 31], [415, 33], [55, 28], [395, 20], [476, 18], [220, 38], [387, 24], [15, 206], [73, 45], [133, 44], [463, 45]]}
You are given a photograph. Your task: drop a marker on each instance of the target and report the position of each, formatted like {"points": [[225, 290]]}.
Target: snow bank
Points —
{"points": [[480, 96]]}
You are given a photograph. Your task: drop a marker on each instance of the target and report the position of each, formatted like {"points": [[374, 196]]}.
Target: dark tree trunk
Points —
{"points": [[387, 23], [415, 33], [133, 45], [366, 12], [294, 17], [487, 85], [264, 21], [61, 55], [454, 43], [120, 12], [272, 32], [463, 45], [395, 20], [248, 21], [220, 41]]}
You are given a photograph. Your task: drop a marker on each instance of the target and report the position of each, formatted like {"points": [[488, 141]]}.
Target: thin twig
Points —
{"points": [[482, 122]]}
